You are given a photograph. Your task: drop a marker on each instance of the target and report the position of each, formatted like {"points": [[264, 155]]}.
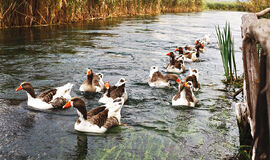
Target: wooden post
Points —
{"points": [[257, 78]]}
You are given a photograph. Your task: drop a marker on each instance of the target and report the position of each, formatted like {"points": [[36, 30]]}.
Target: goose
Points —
{"points": [[185, 95], [189, 56], [199, 45], [93, 83], [205, 40], [195, 72], [53, 98], [158, 80], [189, 48], [194, 82], [97, 120], [175, 65], [112, 92]]}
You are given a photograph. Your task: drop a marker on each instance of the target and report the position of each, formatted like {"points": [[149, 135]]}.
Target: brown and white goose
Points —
{"points": [[158, 80], [53, 98], [199, 45], [194, 79], [113, 92], [175, 65], [97, 120], [93, 83], [185, 95], [189, 56]]}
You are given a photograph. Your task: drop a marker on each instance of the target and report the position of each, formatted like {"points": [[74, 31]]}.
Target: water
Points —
{"points": [[52, 56]]}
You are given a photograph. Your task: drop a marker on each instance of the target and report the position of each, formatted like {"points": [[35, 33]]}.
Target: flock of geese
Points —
{"points": [[106, 116]]}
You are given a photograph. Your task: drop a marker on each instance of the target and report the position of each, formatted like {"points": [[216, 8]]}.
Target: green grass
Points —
{"points": [[220, 5], [226, 46]]}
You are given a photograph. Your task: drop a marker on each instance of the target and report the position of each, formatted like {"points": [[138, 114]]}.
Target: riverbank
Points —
{"points": [[249, 6], [225, 5], [28, 13], [34, 12]]}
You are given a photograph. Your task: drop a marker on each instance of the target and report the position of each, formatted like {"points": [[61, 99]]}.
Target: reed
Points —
{"points": [[48, 12], [226, 46]]}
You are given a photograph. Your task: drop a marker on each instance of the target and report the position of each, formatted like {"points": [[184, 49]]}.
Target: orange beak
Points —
{"points": [[168, 54], [186, 84], [67, 105], [19, 88], [176, 49], [107, 85], [88, 72], [178, 80]]}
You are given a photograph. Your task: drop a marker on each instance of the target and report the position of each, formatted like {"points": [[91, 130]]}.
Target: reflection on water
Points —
{"points": [[81, 148], [52, 56]]}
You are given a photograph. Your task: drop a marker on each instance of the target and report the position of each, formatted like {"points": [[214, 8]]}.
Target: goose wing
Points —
{"points": [[95, 111], [111, 122], [100, 118], [47, 96]]}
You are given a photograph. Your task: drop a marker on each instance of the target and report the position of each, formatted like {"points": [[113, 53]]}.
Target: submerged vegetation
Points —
{"points": [[226, 46], [36, 12]]}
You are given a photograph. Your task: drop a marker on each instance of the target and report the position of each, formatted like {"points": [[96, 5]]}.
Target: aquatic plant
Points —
{"points": [[226, 46]]}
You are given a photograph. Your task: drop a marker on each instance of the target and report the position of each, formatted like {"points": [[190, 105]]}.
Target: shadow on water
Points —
{"points": [[52, 56]]}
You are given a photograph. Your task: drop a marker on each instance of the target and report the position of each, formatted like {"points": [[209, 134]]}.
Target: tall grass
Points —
{"points": [[226, 46], [256, 5], [47, 12], [221, 5]]}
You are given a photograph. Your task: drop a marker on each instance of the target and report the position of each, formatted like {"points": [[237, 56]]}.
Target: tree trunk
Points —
{"points": [[257, 77]]}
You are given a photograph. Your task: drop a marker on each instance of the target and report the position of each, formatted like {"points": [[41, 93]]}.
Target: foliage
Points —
{"points": [[39, 12], [256, 5], [226, 46], [221, 5]]}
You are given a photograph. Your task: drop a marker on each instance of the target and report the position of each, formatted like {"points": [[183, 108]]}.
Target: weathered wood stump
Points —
{"points": [[257, 88]]}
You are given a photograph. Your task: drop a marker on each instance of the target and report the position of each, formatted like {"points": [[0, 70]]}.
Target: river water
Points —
{"points": [[122, 47]]}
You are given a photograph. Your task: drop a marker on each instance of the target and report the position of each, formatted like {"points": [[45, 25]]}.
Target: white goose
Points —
{"points": [[176, 65], [194, 79], [113, 92], [158, 80], [97, 120], [53, 98], [185, 95], [93, 83]]}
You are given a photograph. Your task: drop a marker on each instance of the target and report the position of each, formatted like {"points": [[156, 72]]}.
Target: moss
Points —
{"points": [[237, 83]]}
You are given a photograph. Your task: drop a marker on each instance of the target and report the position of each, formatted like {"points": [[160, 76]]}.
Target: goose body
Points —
{"points": [[184, 96], [93, 83], [176, 65], [158, 80], [54, 98], [97, 120], [113, 92]]}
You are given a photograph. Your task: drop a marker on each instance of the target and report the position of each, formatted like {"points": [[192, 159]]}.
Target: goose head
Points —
{"points": [[79, 104], [28, 88]]}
